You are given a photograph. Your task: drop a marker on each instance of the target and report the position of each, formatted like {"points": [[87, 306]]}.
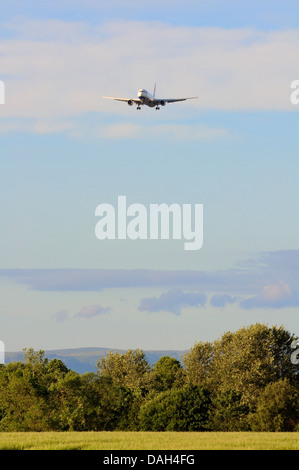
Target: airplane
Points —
{"points": [[148, 99]]}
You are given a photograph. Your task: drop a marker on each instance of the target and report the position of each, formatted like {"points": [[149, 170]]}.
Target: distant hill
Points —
{"points": [[85, 359]]}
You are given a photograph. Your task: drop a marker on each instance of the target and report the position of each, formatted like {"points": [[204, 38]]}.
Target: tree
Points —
{"points": [[35, 358], [197, 363], [56, 368], [185, 409], [277, 408], [249, 359], [128, 370], [243, 381], [166, 373], [229, 413], [66, 402], [107, 406], [22, 407]]}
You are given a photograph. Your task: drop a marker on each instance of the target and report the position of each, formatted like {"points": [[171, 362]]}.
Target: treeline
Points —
{"points": [[245, 381]]}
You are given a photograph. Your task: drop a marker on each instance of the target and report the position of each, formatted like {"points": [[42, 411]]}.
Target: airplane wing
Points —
{"points": [[134, 100], [173, 100]]}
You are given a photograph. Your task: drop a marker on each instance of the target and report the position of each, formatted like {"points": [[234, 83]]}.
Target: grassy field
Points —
{"points": [[148, 441]]}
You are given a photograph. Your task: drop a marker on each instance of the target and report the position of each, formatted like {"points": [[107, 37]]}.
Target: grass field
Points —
{"points": [[148, 441]]}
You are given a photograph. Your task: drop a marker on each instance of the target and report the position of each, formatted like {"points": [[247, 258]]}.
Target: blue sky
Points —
{"points": [[64, 150]]}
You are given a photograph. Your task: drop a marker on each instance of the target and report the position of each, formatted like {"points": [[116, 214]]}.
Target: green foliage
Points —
{"points": [[166, 373], [22, 407], [66, 401], [228, 413], [277, 408], [185, 409], [244, 361], [128, 370], [197, 363], [107, 406], [244, 381]]}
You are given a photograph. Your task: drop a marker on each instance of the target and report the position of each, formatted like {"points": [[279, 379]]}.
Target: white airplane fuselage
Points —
{"points": [[147, 98]]}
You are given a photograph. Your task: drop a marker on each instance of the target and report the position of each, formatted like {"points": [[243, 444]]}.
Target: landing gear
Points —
{"points": [[157, 107], [138, 107]]}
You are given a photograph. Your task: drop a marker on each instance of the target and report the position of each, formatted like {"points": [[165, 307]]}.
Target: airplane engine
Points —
{"points": [[162, 103], [130, 103]]}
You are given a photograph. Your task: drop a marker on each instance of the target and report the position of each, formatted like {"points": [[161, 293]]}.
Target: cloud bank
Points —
{"points": [[269, 281]]}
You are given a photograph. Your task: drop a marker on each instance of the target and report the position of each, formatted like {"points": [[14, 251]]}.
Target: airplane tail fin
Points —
{"points": [[154, 94]]}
